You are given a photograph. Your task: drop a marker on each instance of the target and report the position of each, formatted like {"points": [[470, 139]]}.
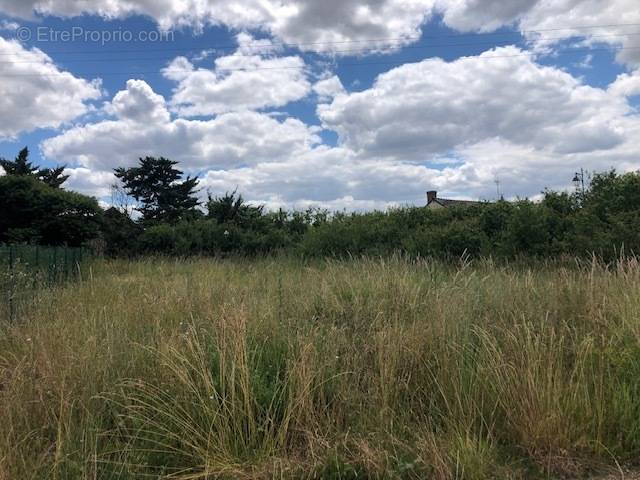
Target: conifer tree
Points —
{"points": [[20, 166], [54, 177], [155, 184]]}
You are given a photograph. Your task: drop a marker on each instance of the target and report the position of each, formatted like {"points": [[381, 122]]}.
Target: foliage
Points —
{"points": [[231, 208], [155, 185], [34, 212], [604, 222], [21, 166], [54, 177], [119, 232]]}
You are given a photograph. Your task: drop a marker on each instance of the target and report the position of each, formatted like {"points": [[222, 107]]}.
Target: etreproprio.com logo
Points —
{"points": [[42, 34]]}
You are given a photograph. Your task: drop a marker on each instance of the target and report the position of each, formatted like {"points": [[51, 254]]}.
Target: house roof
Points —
{"points": [[446, 202]]}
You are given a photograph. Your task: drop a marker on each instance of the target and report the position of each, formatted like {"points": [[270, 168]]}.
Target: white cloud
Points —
{"points": [[329, 88], [229, 140], [238, 82], [9, 26], [394, 22], [547, 22], [248, 45], [168, 13], [482, 15], [325, 26], [88, 182], [563, 14], [417, 110], [626, 85], [336, 178], [35, 93], [139, 104], [328, 177]]}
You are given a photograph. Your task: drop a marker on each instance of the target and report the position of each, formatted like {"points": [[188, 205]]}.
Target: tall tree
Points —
{"points": [[20, 166], [156, 187]]}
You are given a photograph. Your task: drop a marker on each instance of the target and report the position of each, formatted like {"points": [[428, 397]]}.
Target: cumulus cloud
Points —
{"points": [[417, 110], [237, 82], [609, 19], [168, 13], [228, 140], [329, 88], [325, 26], [482, 15], [33, 89], [89, 182], [626, 85], [314, 23], [139, 104], [327, 177], [391, 23]]}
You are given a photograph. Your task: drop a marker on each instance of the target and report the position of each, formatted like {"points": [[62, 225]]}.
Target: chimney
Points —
{"points": [[431, 196]]}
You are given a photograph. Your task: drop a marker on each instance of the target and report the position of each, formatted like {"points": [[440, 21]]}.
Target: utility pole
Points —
{"points": [[498, 189], [578, 180]]}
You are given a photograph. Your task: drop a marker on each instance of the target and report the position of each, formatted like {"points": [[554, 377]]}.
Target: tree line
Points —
{"points": [[170, 219]]}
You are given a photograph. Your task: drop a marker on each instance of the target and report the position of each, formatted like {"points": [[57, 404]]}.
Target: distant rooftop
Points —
{"points": [[433, 201]]}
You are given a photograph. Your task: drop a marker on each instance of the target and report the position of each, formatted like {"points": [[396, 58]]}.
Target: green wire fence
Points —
{"points": [[26, 268]]}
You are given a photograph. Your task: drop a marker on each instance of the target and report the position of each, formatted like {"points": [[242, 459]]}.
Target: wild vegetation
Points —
{"points": [[278, 368], [170, 220]]}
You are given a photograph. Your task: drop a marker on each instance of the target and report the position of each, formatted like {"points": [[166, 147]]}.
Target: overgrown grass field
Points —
{"points": [[276, 368]]}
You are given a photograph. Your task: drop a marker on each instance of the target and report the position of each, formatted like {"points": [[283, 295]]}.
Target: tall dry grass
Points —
{"points": [[361, 369]]}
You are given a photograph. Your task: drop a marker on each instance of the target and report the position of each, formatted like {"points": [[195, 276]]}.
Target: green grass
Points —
{"points": [[340, 370]]}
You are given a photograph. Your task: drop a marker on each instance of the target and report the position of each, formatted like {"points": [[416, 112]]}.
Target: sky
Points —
{"points": [[339, 104]]}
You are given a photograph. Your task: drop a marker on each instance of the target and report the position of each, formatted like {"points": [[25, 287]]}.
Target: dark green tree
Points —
{"points": [[54, 177], [33, 212], [155, 184], [231, 208], [20, 166]]}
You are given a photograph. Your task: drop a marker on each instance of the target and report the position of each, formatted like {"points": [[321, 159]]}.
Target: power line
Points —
{"points": [[341, 65], [355, 51], [272, 44]]}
